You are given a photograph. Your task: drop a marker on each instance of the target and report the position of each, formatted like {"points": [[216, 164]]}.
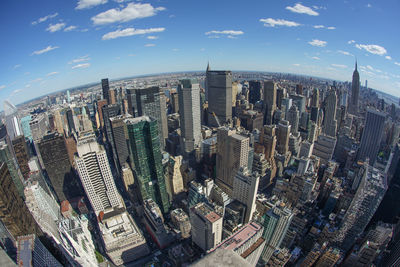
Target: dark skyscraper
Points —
{"points": [[56, 161], [255, 88], [150, 102], [146, 160], [21, 153], [219, 87], [70, 121], [110, 111], [269, 103], [120, 139], [355, 91], [106, 88], [371, 136]]}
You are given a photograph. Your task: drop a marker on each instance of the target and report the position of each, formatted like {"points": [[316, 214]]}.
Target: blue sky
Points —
{"points": [[56, 44]]}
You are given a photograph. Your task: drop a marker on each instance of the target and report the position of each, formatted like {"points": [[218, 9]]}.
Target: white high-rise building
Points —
{"points": [[245, 186], [12, 120], [330, 123], [189, 111], [95, 173]]}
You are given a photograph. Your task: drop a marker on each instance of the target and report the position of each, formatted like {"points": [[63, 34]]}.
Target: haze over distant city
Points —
{"points": [[53, 45]]}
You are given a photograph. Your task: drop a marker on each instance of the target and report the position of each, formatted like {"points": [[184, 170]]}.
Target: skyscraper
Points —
{"points": [[12, 120], [232, 153], [110, 111], [255, 88], [120, 138], [371, 136], [269, 104], [105, 89], [355, 91], [145, 154], [315, 98], [189, 111], [219, 88], [95, 173], [70, 121], [56, 161], [330, 123], [21, 154], [245, 187], [14, 213], [365, 202], [293, 118], [150, 102], [282, 135], [206, 226]]}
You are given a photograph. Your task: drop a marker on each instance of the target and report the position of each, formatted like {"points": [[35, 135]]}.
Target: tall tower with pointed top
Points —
{"points": [[355, 91]]}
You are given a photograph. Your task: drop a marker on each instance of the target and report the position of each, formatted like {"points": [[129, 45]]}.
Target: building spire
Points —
{"points": [[356, 63], [208, 66]]}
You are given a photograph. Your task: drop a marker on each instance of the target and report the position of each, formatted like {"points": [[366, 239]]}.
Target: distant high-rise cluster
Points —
{"points": [[266, 169]]}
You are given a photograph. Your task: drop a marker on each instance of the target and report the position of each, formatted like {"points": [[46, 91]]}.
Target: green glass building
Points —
{"points": [[146, 160]]}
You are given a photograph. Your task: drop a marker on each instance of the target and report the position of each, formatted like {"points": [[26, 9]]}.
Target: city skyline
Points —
{"points": [[58, 45]]}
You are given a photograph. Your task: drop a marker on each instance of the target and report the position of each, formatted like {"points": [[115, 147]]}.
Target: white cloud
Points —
{"points": [[81, 66], [319, 43], [397, 63], [351, 42], [202, 49], [2, 86], [373, 49], [80, 59], [36, 80], [372, 69], [132, 55], [55, 27], [83, 4], [175, 49], [296, 64], [227, 32], [17, 91], [130, 12], [316, 58], [27, 86], [388, 57], [369, 5], [344, 53], [17, 66], [45, 50], [299, 8], [43, 19], [151, 37], [149, 45], [324, 27], [52, 73], [270, 22], [70, 28], [129, 32], [339, 66]]}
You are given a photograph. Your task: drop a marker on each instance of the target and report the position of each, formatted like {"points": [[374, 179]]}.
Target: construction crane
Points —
{"points": [[216, 119]]}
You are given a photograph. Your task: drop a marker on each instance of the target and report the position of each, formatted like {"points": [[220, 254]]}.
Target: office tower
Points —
{"points": [[119, 141], [39, 126], [255, 88], [300, 102], [174, 181], [100, 105], [355, 91], [293, 118], [315, 98], [251, 120], [95, 173], [222, 257], [174, 97], [196, 194], [113, 96], [269, 103], [21, 154], [371, 136], [109, 111], [44, 209], [276, 222], [25, 126], [189, 111], [145, 151], [14, 213], [245, 187], [330, 122], [246, 242], [324, 148], [365, 202], [282, 135], [150, 102], [181, 221], [77, 240], [6, 156], [31, 252], [219, 89], [280, 94], [128, 179], [68, 97], [70, 122], [268, 139], [12, 120], [105, 89], [232, 153], [206, 226], [57, 164]]}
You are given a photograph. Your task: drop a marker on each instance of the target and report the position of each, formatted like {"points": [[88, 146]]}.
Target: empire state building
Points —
{"points": [[355, 92]]}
